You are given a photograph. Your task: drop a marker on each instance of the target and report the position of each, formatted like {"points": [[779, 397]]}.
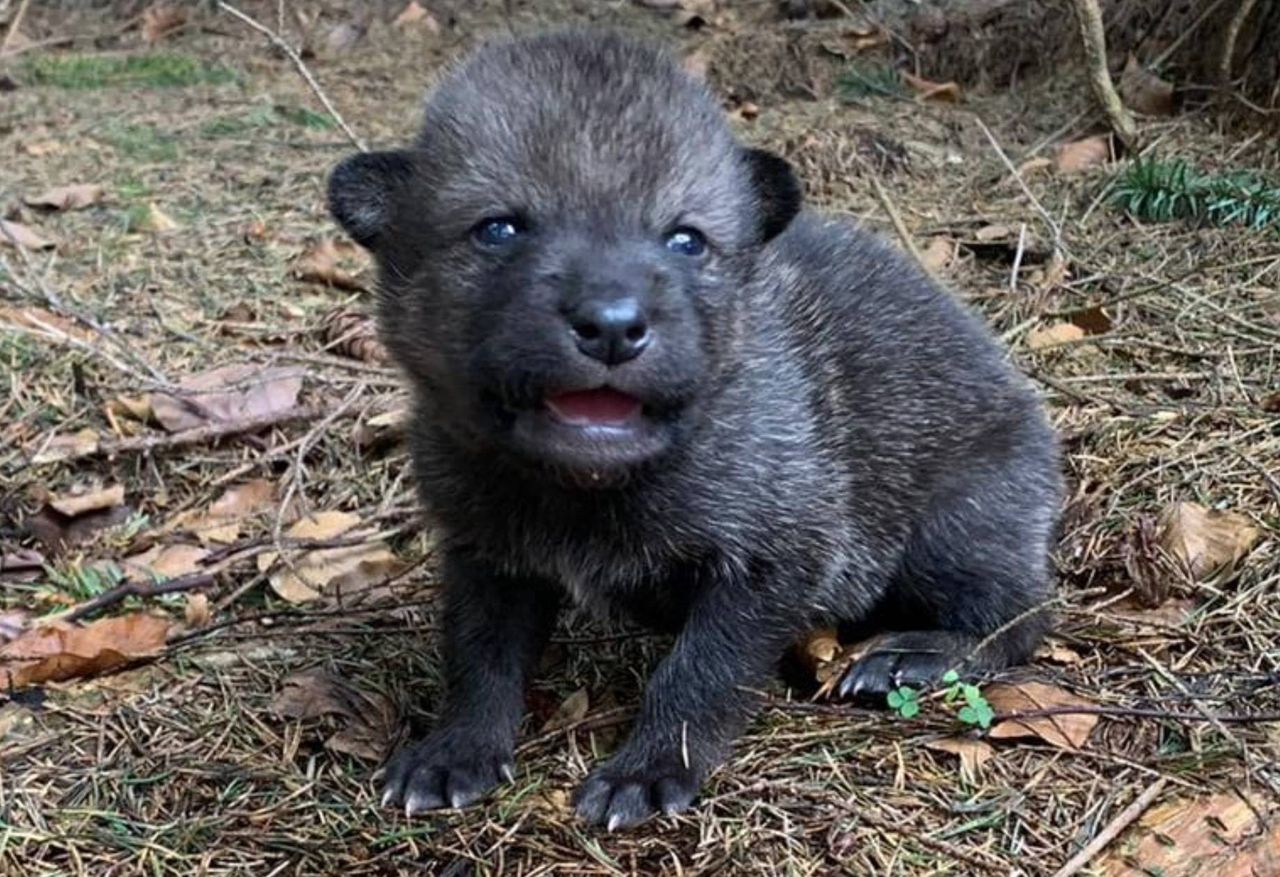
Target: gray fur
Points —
{"points": [[834, 439]]}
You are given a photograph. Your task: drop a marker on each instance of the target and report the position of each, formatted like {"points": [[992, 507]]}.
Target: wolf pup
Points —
{"points": [[648, 382]]}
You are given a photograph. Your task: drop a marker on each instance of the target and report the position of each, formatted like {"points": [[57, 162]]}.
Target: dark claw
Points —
{"points": [[447, 769], [619, 798], [909, 658]]}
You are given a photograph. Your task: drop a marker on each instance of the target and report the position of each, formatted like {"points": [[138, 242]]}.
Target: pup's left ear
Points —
{"points": [[778, 191], [363, 190]]}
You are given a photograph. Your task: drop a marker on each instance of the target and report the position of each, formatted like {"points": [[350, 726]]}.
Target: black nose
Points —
{"points": [[610, 330]]}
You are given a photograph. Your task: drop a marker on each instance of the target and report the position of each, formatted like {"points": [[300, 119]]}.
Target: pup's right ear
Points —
{"points": [[362, 193]]}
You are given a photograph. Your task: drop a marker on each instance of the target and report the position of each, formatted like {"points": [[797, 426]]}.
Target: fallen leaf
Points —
{"points": [[44, 323], [367, 720], [127, 414], [1052, 275], [352, 333], [160, 20], [1193, 837], [222, 521], [57, 651], [817, 649], [939, 252], [155, 220], [227, 394], [1205, 540], [1170, 613], [1094, 320], [415, 13], [1052, 650], [381, 431], [989, 233], [1065, 730], [41, 148], [15, 234], [1081, 155], [324, 263], [1054, 336], [343, 36], [164, 562], [1144, 92], [1271, 403], [572, 711], [340, 571], [63, 447], [197, 611], [946, 91], [973, 754], [76, 504], [57, 532], [13, 623], [75, 197]]}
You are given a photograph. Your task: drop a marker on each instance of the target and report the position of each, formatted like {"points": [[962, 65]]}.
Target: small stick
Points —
{"points": [[1054, 228], [894, 217], [1094, 40], [1123, 820], [278, 42], [137, 589], [1233, 34], [196, 435], [13, 25]]}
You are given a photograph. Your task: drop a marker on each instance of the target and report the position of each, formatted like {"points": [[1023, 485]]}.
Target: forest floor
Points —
{"points": [[259, 695]]}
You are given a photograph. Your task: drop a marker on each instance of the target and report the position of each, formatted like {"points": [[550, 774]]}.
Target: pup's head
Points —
{"points": [[562, 251]]}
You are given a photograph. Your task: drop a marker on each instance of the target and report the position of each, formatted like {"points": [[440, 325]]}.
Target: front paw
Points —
{"points": [[626, 791], [450, 768]]}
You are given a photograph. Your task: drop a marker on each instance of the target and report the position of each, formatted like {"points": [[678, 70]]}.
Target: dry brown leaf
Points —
{"points": [[1052, 650], [156, 220], [14, 623], [367, 720], [1271, 403], [221, 522], [352, 333], [1193, 837], [62, 447], [93, 500], [817, 649], [165, 562], [44, 323], [161, 19], [16, 234], [1144, 92], [990, 233], [945, 91], [381, 431], [75, 197], [416, 14], [1170, 613], [572, 711], [197, 612], [1064, 730], [333, 263], [41, 148], [59, 651], [228, 394], [344, 570], [1053, 336], [1094, 320], [939, 252], [1205, 540], [1081, 155], [973, 754]]}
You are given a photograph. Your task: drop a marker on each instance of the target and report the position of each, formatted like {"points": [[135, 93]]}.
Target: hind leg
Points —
{"points": [[970, 591]]}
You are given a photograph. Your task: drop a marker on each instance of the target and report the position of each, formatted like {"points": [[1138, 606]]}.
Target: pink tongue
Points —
{"points": [[587, 407]]}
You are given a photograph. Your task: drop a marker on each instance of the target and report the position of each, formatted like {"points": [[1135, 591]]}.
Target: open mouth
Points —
{"points": [[603, 407]]}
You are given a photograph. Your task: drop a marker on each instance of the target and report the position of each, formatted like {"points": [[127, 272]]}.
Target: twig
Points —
{"points": [[1123, 820], [1094, 39], [195, 435], [13, 25], [894, 217], [279, 42], [1054, 229], [137, 589], [1233, 34]]}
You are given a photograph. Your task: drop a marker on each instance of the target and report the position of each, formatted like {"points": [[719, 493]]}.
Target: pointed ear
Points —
{"points": [[362, 193], [778, 191]]}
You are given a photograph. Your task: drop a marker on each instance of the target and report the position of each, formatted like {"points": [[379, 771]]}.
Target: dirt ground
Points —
{"points": [[1157, 347]]}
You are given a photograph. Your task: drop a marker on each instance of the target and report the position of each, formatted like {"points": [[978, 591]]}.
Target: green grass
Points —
{"points": [[144, 143], [1165, 191], [264, 117], [159, 70], [306, 118], [860, 81]]}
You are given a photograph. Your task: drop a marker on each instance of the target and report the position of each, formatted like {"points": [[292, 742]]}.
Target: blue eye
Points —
{"points": [[498, 231], [687, 242]]}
